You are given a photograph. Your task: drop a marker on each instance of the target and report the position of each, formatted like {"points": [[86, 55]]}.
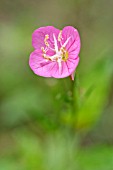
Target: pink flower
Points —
{"points": [[56, 52]]}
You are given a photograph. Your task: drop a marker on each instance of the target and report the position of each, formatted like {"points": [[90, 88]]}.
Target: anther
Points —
{"points": [[45, 40], [43, 50]]}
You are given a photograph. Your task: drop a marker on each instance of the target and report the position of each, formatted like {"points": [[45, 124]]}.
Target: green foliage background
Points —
{"points": [[39, 130]]}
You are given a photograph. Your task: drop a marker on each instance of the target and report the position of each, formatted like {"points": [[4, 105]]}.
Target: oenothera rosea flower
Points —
{"points": [[56, 51]]}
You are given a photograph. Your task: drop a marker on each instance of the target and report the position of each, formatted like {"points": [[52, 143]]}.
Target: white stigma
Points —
{"points": [[64, 45]]}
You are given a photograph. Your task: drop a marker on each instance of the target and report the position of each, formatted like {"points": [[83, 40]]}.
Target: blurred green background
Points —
{"points": [[38, 128]]}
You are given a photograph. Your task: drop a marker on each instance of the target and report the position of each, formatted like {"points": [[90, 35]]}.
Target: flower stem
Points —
{"points": [[74, 103]]}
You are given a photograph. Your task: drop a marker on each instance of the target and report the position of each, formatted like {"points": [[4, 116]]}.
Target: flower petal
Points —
{"points": [[38, 36], [72, 64], [73, 45], [64, 71], [39, 65]]}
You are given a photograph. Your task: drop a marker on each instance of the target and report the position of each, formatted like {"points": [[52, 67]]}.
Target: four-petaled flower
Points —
{"points": [[56, 52]]}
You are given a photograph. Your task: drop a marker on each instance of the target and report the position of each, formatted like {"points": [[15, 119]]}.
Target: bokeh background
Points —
{"points": [[38, 128]]}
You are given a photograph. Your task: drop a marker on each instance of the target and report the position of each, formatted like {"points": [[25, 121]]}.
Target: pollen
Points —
{"points": [[64, 54], [45, 40], [43, 50]]}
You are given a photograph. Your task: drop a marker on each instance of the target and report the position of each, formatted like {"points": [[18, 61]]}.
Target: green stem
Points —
{"points": [[74, 103]]}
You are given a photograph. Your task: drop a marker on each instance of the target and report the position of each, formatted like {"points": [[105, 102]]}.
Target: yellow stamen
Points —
{"points": [[64, 54], [43, 50], [45, 40]]}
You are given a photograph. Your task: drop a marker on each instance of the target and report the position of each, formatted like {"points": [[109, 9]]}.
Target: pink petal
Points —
{"points": [[68, 68], [38, 36], [39, 65], [72, 64], [73, 46], [64, 71]]}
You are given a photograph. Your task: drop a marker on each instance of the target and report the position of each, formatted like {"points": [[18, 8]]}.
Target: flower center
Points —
{"points": [[64, 54], [60, 54]]}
